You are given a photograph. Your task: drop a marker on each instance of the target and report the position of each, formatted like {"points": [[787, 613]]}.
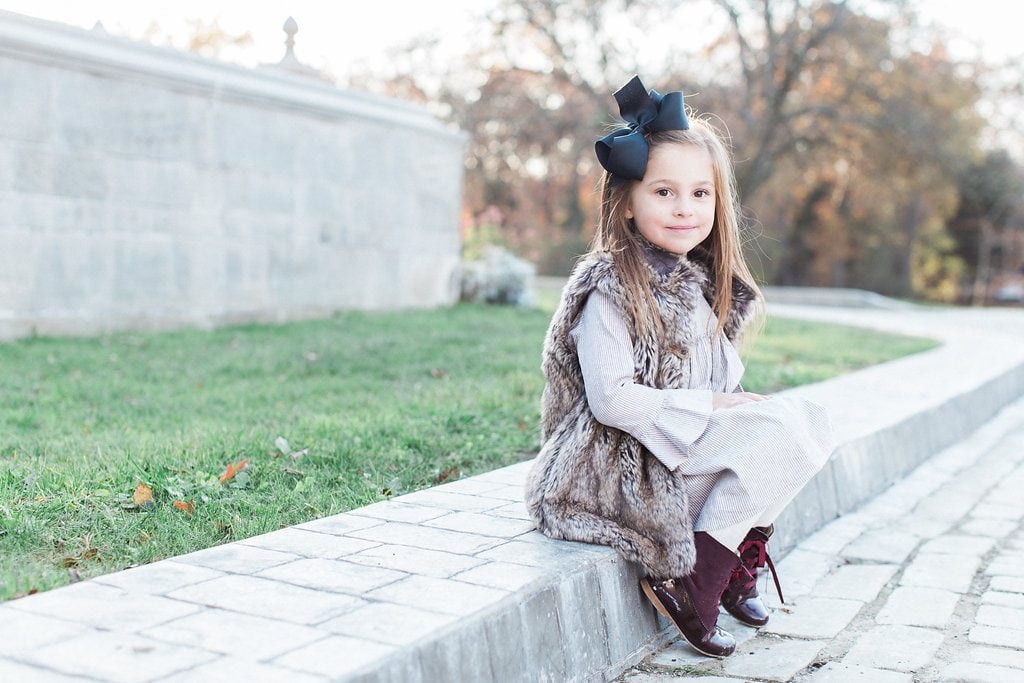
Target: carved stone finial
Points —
{"points": [[291, 27], [290, 63]]}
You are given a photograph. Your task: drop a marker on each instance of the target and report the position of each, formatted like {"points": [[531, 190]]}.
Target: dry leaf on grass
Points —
{"points": [[143, 496], [188, 508], [232, 469]]}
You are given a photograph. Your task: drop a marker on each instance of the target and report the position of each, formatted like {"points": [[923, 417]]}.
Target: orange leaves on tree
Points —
{"points": [[232, 469]]}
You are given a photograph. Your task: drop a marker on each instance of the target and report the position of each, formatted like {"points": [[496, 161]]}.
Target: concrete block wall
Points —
{"points": [[144, 187]]}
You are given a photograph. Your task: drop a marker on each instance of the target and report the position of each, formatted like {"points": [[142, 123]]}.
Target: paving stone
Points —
{"points": [[389, 623], [959, 545], [117, 657], [27, 673], [452, 501], [1001, 567], [838, 672], [583, 635], [158, 578], [485, 525], [24, 631], [991, 635], [772, 659], [396, 511], [273, 599], [471, 486], [438, 595], [343, 523], [882, 545], [231, 633], [679, 654], [333, 575], [947, 504], [988, 527], [856, 581], [415, 560], [311, 543], [995, 511], [833, 537], [924, 526], [334, 656], [397, 533], [972, 672], [509, 493], [996, 655], [935, 570], [901, 648], [915, 606], [236, 558], [1003, 617], [799, 572], [104, 607], [662, 678], [233, 669], [814, 618], [503, 575], [553, 555], [1015, 600], [511, 510], [512, 475]]}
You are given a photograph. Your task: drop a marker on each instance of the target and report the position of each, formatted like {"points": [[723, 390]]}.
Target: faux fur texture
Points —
{"points": [[598, 484]]}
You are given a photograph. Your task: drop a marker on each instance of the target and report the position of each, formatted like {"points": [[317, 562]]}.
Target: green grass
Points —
{"points": [[374, 404]]}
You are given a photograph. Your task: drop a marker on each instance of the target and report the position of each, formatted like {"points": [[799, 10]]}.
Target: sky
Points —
{"points": [[335, 35]]}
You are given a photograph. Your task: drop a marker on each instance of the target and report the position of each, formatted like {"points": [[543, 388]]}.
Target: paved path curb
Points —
{"points": [[924, 583], [451, 583]]}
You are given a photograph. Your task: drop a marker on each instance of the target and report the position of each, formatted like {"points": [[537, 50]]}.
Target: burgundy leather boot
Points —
{"points": [[691, 602], [740, 598]]}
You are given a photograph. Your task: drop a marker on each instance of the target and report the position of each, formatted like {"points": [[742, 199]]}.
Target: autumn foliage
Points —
{"points": [[854, 128]]}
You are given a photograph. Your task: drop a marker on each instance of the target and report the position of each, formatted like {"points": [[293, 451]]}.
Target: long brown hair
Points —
{"points": [[616, 235]]}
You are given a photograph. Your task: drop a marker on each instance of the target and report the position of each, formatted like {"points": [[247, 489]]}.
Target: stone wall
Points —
{"points": [[141, 187]]}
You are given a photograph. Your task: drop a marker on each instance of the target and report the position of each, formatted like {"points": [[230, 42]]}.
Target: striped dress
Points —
{"points": [[737, 462]]}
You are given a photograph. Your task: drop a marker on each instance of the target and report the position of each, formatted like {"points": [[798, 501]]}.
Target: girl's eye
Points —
{"points": [[702, 193], [663, 192]]}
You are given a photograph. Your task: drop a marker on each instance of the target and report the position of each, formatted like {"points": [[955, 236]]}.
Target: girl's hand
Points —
{"points": [[720, 401]]}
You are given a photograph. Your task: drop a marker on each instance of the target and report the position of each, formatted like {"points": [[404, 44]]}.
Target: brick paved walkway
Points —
{"points": [[925, 583]]}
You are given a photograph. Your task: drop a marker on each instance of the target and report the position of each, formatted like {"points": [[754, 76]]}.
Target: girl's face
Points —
{"points": [[674, 205]]}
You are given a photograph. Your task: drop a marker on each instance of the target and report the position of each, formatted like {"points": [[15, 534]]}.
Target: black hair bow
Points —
{"points": [[623, 152]]}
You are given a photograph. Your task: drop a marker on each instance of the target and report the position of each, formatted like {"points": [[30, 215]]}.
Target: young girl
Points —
{"points": [[650, 444]]}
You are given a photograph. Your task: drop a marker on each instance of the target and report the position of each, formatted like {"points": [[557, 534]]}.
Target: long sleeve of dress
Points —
{"points": [[666, 421]]}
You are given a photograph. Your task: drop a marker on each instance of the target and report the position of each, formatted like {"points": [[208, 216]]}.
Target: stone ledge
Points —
{"points": [[451, 583]]}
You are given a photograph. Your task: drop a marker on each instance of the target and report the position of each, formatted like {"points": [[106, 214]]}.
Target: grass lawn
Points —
{"points": [[330, 415]]}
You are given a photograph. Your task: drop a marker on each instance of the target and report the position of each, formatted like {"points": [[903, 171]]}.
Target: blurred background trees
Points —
{"points": [[867, 155]]}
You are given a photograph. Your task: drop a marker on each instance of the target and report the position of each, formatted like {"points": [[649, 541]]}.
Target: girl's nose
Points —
{"points": [[682, 208]]}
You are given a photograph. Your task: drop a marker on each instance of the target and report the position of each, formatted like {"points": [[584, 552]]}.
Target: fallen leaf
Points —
{"points": [[311, 356], [143, 496], [232, 469], [297, 473], [282, 445], [188, 508], [87, 554], [73, 574], [438, 373], [299, 454], [448, 474]]}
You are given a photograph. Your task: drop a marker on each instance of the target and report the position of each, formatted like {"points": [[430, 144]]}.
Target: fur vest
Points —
{"points": [[595, 483]]}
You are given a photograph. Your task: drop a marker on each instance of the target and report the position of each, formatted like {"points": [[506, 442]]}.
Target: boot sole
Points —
{"points": [[664, 612]]}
